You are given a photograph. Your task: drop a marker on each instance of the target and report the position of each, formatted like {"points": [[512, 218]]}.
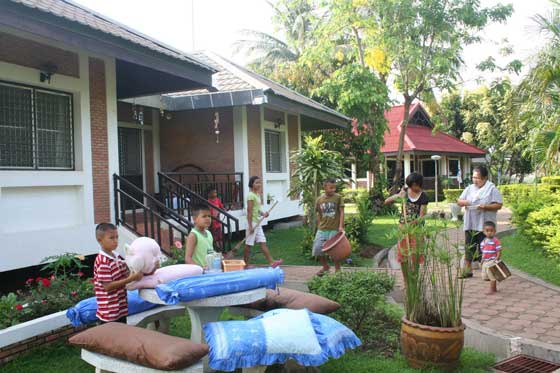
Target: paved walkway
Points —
{"points": [[523, 307]]}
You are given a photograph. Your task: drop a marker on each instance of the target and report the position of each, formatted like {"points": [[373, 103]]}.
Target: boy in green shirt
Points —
{"points": [[199, 242], [330, 221]]}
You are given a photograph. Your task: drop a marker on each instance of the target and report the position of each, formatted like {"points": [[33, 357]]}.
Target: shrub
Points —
{"points": [[514, 193], [363, 306], [353, 227], [543, 227], [306, 245], [522, 206], [349, 195], [10, 310], [551, 180], [432, 195], [452, 195]]}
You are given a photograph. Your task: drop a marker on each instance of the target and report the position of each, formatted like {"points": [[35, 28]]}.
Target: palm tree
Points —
{"points": [[294, 20], [540, 95]]}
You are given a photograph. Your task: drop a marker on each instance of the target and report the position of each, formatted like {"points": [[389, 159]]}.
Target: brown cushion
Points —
{"points": [[141, 346], [295, 300]]}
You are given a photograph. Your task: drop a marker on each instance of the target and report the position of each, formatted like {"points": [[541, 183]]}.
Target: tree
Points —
{"points": [[314, 164], [539, 97], [295, 20], [423, 41]]}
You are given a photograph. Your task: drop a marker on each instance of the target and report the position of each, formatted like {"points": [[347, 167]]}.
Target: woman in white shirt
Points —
{"points": [[481, 200]]}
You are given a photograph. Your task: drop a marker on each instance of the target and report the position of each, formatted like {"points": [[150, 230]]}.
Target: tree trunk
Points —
{"points": [[398, 167]]}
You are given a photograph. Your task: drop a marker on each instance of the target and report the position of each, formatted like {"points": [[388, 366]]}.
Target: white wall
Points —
{"points": [[44, 213]]}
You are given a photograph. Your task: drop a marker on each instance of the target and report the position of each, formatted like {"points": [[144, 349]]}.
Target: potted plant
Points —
{"points": [[432, 331]]}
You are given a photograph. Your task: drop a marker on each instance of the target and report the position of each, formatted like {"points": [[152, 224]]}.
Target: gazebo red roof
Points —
{"points": [[421, 138]]}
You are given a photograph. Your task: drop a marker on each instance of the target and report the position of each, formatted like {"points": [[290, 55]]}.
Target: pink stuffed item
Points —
{"points": [[142, 255], [165, 275]]}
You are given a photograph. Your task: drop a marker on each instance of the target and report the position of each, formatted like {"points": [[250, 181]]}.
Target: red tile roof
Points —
{"points": [[421, 138]]}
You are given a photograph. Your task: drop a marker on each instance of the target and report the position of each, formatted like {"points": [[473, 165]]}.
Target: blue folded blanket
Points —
{"points": [[276, 336], [214, 284], [84, 311]]}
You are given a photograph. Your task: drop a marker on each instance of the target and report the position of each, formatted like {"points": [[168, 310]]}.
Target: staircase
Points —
{"points": [[145, 216], [178, 198]]}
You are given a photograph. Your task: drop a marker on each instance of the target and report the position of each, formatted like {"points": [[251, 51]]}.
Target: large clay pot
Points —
{"points": [[424, 346], [455, 210], [338, 247]]}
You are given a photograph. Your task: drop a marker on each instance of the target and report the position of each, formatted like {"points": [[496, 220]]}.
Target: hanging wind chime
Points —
{"points": [[138, 113], [217, 126]]}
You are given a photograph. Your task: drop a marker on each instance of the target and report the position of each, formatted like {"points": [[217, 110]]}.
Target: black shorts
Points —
{"points": [[472, 245], [122, 320]]}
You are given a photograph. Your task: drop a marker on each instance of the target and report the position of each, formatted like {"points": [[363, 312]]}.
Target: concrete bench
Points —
{"points": [[105, 364], [156, 318]]}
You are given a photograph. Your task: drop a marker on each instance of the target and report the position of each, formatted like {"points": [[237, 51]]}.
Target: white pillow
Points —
{"points": [[290, 333]]}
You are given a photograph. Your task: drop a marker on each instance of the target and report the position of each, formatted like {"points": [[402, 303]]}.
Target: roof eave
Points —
{"points": [[80, 36]]}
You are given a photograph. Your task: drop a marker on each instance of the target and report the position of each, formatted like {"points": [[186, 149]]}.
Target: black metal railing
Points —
{"points": [[148, 217], [179, 198], [229, 185]]}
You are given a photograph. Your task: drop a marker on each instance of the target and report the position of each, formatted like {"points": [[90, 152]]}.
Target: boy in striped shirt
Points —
{"points": [[110, 276], [491, 252]]}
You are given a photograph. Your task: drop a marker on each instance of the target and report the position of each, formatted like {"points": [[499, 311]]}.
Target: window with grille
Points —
{"points": [[453, 167], [35, 128], [274, 148]]}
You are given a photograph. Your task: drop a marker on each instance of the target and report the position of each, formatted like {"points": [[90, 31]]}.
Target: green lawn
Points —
{"points": [[521, 254], [286, 244]]}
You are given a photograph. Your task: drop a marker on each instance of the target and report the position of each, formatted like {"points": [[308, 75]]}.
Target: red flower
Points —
{"points": [[44, 301], [74, 293], [19, 307], [45, 282], [91, 281], [53, 277], [38, 279], [29, 281], [80, 274]]}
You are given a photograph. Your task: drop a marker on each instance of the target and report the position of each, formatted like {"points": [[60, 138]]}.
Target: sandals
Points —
{"points": [[322, 272]]}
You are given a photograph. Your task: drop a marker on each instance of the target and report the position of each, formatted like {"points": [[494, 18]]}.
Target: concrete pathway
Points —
{"points": [[523, 307]]}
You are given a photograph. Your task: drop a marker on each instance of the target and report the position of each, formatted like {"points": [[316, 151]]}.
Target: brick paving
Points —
{"points": [[521, 308]]}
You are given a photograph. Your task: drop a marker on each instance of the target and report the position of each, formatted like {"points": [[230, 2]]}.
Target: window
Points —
{"points": [[35, 128], [453, 167], [428, 168], [274, 148]]}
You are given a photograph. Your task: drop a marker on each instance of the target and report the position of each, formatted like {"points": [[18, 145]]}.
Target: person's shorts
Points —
{"points": [[472, 245], [320, 238], [486, 273], [257, 236]]}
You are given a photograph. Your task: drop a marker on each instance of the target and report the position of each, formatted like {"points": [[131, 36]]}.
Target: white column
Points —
{"points": [[354, 181], [156, 148], [112, 126], [240, 146], [406, 164]]}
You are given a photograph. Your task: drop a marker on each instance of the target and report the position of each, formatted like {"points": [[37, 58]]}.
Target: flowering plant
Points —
{"points": [[65, 286]]}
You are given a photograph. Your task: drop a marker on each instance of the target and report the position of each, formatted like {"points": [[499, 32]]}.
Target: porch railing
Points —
{"points": [[148, 217], [229, 185], [181, 199]]}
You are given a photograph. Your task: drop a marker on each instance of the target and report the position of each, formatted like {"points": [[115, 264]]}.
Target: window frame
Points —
{"points": [[34, 131], [282, 151], [449, 166]]}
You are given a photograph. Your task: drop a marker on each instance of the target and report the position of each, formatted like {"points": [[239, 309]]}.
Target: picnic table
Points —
{"points": [[207, 310]]}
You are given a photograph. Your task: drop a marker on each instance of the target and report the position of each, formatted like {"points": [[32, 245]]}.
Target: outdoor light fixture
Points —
{"points": [[278, 122], [47, 71], [217, 126]]}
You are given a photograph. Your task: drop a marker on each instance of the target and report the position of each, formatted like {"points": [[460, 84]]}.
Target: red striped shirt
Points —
{"points": [[111, 305]]}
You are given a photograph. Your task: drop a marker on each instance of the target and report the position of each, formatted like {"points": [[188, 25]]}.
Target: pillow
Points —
{"points": [[335, 338], [295, 300], [84, 311], [263, 341], [141, 346], [165, 275]]}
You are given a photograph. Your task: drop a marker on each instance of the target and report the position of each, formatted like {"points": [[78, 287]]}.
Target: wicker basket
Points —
{"points": [[231, 265]]}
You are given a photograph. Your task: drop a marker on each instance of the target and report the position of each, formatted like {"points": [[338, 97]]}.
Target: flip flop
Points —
{"points": [[322, 272]]}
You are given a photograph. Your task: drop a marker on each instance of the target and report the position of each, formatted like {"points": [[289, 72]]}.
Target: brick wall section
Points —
{"points": [[99, 143], [188, 138], [254, 143], [149, 161], [12, 351], [293, 142], [24, 52]]}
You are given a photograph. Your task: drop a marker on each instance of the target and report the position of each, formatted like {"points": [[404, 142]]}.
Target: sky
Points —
{"points": [[216, 25]]}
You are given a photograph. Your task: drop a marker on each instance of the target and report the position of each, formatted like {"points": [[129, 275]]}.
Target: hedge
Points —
{"points": [[543, 228], [452, 195], [349, 195], [551, 180], [515, 193]]}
